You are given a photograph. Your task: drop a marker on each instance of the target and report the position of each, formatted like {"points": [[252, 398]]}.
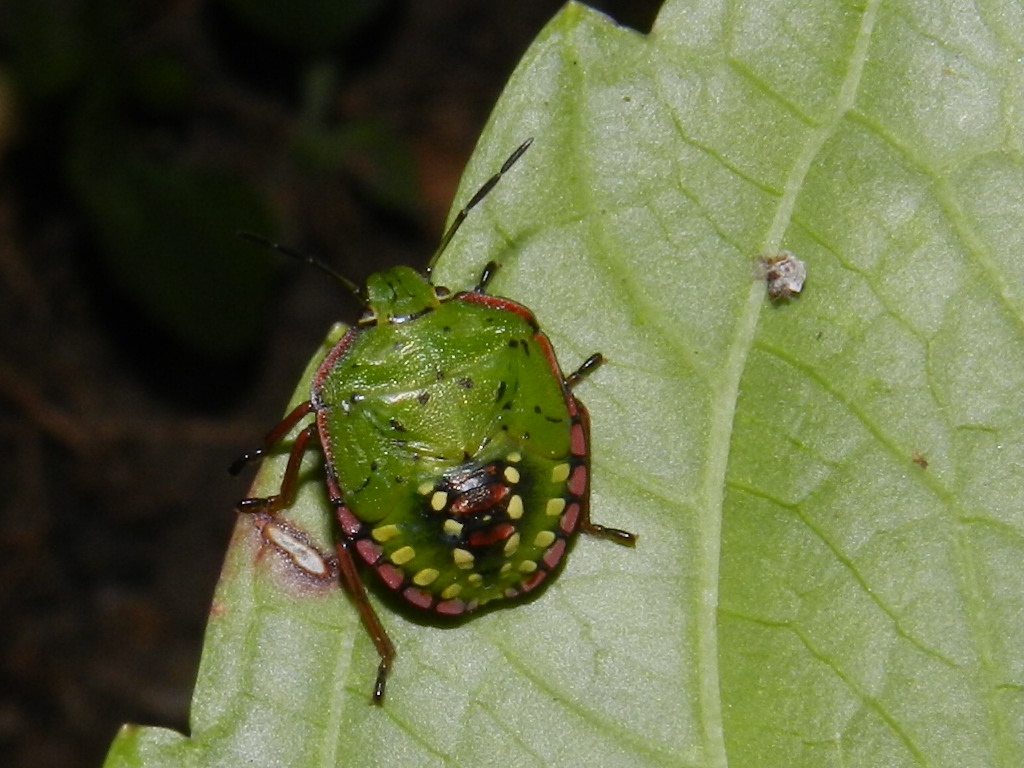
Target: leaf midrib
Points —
{"points": [[725, 398]]}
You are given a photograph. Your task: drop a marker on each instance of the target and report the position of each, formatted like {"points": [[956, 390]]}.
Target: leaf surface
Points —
{"points": [[828, 491]]}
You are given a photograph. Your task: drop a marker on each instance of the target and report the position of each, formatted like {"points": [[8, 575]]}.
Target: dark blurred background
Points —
{"points": [[142, 345]]}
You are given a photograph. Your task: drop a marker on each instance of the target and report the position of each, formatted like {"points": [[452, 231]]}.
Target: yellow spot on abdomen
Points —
{"points": [[426, 576], [452, 590], [555, 507], [385, 532], [544, 539], [463, 558], [559, 473], [527, 566], [452, 527], [514, 457], [403, 555], [515, 507], [511, 474], [439, 501], [511, 545]]}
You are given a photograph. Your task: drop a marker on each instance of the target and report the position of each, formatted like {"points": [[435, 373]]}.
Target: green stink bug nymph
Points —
{"points": [[457, 456]]}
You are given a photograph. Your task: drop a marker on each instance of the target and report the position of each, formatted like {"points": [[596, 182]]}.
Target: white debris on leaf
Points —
{"points": [[784, 273], [303, 555]]}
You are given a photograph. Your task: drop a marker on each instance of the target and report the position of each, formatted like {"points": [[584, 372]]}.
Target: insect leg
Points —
{"points": [[275, 436], [284, 497], [371, 622], [485, 277], [589, 366], [619, 536], [586, 525], [286, 494]]}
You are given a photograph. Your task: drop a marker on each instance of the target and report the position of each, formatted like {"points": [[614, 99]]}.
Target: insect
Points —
{"points": [[457, 456]]}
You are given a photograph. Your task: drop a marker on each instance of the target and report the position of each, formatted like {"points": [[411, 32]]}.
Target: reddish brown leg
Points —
{"points": [[589, 366], [275, 436], [617, 535], [354, 584], [346, 565], [289, 482]]}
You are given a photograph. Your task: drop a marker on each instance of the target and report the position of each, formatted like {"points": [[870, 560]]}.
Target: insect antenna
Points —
{"points": [[306, 258], [473, 201]]}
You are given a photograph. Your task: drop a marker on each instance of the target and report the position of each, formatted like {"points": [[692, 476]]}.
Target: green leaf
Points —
{"points": [[828, 491]]}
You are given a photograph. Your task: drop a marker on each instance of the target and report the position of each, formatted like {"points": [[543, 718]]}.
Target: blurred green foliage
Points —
{"points": [[306, 24], [130, 116]]}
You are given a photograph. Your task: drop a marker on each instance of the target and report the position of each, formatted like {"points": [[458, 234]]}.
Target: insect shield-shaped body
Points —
{"points": [[455, 450], [457, 456]]}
